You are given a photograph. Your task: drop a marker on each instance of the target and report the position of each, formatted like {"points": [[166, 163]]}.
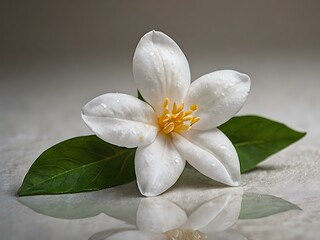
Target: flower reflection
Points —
{"points": [[161, 218]]}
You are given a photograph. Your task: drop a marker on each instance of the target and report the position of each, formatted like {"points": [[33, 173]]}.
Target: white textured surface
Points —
{"points": [[37, 115]]}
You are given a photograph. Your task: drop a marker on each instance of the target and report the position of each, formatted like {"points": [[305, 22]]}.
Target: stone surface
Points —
{"points": [[41, 113]]}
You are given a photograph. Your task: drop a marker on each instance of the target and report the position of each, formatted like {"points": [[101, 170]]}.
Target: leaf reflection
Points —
{"points": [[260, 205]]}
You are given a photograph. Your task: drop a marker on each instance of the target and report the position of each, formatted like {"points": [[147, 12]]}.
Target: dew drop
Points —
{"points": [[213, 164], [103, 105], [222, 94], [151, 53], [176, 161], [158, 70], [133, 131], [147, 163], [150, 155], [223, 146], [117, 100]]}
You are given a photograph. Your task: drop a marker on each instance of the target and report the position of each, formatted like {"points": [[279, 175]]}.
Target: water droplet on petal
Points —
{"points": [[103, 105], [117, 100], [176, 160], [133, 131], [150, 155], [178, 83], [223, 146]]}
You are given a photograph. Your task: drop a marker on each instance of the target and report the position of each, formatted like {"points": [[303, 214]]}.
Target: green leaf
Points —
{"points": [[79, 164], [260, 205], [140, 96], [88, 204], [256, 138]]}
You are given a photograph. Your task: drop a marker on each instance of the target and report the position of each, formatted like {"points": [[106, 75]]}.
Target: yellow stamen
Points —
{"points": [[175, 107], [188, 118], [180, 108], [185, 234], [188, 112], [193, 107], [168, 128], [166, 102], [182, 128], [195, 120], [177, 120]]}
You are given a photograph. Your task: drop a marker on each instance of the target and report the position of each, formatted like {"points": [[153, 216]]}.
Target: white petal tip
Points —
{"points": [[152, 33], [233, 181], [149, 192], [244, 77], [235, 184]]}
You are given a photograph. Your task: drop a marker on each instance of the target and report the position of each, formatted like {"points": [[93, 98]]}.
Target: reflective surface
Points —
{"points": [[208, 216], [209, 213], [35, 120]]}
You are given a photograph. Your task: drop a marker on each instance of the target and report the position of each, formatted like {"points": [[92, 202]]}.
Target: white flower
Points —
{"points": [[178, 122]]}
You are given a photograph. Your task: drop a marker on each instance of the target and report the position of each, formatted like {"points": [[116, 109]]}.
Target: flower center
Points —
{"points": [[185, 234], [177, 120]]}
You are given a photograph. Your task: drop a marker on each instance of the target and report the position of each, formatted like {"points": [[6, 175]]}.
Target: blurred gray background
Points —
{"points": [[57, 55]]}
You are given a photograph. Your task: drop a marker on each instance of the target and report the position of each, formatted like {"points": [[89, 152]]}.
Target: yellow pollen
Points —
{"points": [[185, 234], [177, 120]]}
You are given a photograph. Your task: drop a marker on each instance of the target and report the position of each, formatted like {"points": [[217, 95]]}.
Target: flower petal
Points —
{"points": [[158, 166], [121, 119], [217, 214], [160, 70], [159, 215], [227, 216], [211, 153], [139, 235], [219, 96]]}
